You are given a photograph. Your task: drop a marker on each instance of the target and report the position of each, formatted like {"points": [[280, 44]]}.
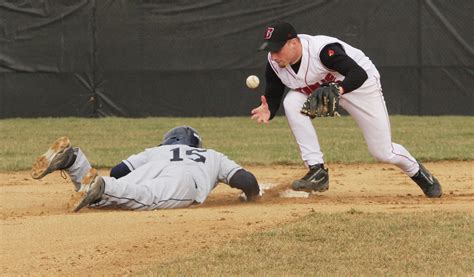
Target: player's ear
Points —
{"points": [[294, 42]]}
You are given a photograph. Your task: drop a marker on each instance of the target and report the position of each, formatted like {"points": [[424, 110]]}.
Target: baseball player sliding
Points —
{"points": [[175, 174], [322, 73]]}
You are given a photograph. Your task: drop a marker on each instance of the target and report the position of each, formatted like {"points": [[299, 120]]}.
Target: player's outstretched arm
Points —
{"points": [[245, 181], [262, 113]]}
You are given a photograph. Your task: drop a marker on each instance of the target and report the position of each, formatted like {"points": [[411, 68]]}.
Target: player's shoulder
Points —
{"points": [[318, 42], [322, 39], [154, 148], [305, 36], [215, 153], [212, 151]]}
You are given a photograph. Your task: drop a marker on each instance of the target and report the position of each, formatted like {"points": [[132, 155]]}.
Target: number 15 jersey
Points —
{"points": [[207, 167]]}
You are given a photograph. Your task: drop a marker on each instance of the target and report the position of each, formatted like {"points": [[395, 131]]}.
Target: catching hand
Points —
{"points": [[324, 101], [261, 113]]}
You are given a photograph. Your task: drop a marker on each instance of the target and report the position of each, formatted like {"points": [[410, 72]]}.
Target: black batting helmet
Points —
{"points": [[182, 135]]}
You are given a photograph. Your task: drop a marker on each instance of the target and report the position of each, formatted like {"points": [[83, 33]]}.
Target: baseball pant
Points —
{"points": [[367, 106], [151, 186]]}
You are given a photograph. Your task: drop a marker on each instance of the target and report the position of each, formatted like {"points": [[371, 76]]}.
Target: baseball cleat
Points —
{"points": [[92, 187], [58, 156], [317, 179], [427, 182]]}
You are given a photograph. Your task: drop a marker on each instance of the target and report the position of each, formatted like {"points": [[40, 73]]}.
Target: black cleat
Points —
{"points": [[317, 179], [427, 182]]}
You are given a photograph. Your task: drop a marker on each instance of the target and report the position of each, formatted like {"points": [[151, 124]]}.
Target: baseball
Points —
{"points": [[252, 81]]}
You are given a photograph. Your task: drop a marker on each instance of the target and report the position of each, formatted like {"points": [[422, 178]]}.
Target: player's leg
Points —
{"points": [[302, 128], [62, 156], [317, 178], [367, 107], [79, 168], [92, 189], [170, 187]]}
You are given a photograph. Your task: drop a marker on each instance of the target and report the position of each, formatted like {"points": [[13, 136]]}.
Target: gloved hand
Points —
{"points": [[324, 101]]}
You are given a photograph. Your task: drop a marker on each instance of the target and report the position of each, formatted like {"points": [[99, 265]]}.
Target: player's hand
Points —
{"points": [[261, 114], [244, 198], [324, 101]]}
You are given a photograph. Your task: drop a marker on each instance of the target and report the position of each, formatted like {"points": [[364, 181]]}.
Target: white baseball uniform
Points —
{"points": [[365, 104], [168, 176]]}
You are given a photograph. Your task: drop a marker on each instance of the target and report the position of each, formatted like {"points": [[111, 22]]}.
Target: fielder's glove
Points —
{"points": [[324, 101]]}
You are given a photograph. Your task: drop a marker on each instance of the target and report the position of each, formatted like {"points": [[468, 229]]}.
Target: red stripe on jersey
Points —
{"points": [[309, 88]]}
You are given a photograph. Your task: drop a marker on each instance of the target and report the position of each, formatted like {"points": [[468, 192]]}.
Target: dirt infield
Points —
{"points": [[40, 236]]}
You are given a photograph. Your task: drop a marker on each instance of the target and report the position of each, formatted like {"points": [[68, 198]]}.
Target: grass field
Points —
{"points": [[108, 140], [356, 228], [344, 244]]}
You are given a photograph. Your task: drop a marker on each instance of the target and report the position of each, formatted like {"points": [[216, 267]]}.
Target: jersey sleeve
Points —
{"points": [[273, 91], [335, 58], [135, 161], [227, 168]]}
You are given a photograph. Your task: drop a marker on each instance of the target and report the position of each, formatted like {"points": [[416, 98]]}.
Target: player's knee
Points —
{"points": [[382, 156], [286, 104], [290, 103]]}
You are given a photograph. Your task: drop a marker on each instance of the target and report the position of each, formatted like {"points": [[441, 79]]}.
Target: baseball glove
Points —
{"points": [[324, 101]]}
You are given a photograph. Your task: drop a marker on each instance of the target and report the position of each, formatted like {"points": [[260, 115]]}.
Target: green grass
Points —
{"points": [[107, 141], [343, 244]]}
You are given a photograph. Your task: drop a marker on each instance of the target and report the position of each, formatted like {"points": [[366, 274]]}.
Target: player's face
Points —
{"points": [[288, 54]]}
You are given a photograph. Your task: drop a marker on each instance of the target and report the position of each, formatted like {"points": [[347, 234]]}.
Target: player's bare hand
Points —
{"points": [[262, 113]]}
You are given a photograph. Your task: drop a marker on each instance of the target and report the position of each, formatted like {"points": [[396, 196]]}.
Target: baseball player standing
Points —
{"points": [[304, 64], [175, 174]]}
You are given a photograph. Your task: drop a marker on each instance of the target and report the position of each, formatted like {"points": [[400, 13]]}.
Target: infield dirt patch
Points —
{"points": [[40, 236]]}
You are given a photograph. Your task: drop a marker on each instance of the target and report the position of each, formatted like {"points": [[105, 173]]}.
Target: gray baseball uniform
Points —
{"points": [[168, 176]]}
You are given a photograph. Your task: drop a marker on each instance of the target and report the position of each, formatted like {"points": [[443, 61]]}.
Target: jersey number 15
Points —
{"points": [[192, 154]]}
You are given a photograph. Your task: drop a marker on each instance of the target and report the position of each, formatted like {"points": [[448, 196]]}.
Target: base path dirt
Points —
{"points": [[40, 236]]}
